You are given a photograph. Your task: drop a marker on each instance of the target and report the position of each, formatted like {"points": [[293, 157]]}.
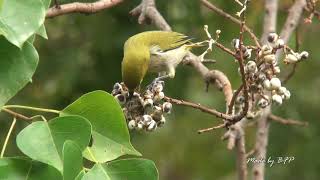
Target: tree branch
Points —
{"points": [[262, 134], [284, 121], [200, 107], [147, 9], [77, 7], [17, 115], [270, 18], [293, 18]]}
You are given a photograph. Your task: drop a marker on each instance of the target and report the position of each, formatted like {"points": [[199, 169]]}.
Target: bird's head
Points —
{"points": [[134, 64]]}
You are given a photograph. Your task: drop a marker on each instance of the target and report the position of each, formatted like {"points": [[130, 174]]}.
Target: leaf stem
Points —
{"points": [[8, 136], [32, 108]]}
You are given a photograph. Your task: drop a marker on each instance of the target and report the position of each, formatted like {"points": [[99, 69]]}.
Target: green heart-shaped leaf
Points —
{"points": [[109, 129], [16, 68], [20, 19], [129, 169], [72, 160], [44, 141], [25, 169]]}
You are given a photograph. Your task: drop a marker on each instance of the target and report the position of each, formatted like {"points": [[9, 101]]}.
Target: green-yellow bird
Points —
{"points": [[152, 51]]}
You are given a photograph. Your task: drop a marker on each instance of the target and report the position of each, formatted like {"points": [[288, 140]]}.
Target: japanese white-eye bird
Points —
{"points": [[152, 51]]}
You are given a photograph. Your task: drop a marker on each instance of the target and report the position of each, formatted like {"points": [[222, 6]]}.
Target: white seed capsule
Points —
{"points": [[279, 43], [250, 115], [162, 121], [263, 103], [272, 37], [117, 86], [152, 126], [115, 92], [240, 100], [146, 119], [291, 58], [148, 103], [262, 77], [157, 113], [304, 55], [282, 90], [277, 99], [121, 99], [140, 125], [247, 54], [148, 94], [269, 58], [159, 96], [266, 84], [235, 43], [167, 107], [275, 83], [132, 124], [251, 67], [287, 95], [276, 69], [265, 50]]}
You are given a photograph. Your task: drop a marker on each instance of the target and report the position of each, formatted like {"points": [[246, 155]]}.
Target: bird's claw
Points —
{"points": [[155, 82]]}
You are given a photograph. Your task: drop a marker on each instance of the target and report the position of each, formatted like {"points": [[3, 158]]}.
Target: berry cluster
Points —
{"points": [[143, 111], [261, 73]]}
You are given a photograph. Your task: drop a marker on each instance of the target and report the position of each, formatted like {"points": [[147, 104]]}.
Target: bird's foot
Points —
{"points": [[156, 83]]}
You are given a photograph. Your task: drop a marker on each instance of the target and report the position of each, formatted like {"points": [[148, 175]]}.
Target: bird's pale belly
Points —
{"points": [[163, 61]]}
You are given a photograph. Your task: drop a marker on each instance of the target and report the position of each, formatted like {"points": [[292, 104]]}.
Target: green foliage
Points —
{"points": [[20, 19], [44, 141], [26, 169], [55, 148], [109, 130], [16, 68], [129, 169], [72, 160], [61, 142]]}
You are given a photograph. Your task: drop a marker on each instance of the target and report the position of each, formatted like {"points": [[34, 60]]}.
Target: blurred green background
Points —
{"points": [[84, 53]]}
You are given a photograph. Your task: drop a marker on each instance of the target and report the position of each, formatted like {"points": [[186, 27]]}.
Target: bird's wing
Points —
{"points": [[168, 40]]}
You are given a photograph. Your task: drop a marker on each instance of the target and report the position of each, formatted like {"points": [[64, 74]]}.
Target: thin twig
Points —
{"points": [[251, 152], [234, 97], [225, 49], [78, 7], [8, 137], [293, 70], [290, 74], [243, 76], [233, 19], [200, 107], [31, 108], [15, 114], [212, 128], [284, 121]]}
